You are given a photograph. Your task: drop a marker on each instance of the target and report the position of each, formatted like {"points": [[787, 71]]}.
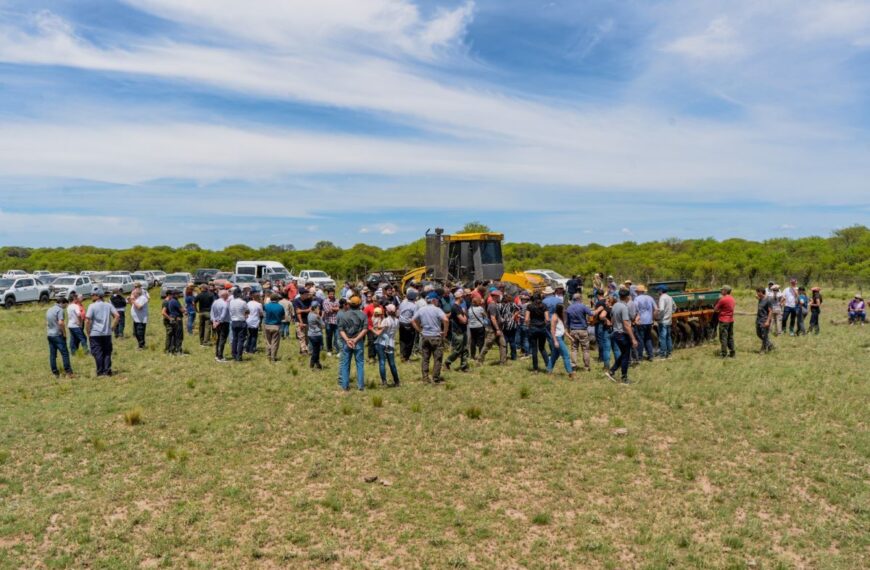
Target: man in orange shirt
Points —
{"points": [[725, 310]]}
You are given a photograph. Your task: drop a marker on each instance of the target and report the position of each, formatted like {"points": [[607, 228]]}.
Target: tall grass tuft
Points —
{"points": [[473, 413], [133, 417]]}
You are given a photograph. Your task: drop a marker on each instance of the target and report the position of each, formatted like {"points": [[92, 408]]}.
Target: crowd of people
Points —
{"points": [[358, 323]]}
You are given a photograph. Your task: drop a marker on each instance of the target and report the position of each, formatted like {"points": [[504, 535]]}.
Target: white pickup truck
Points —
{"points": [[23, 290], [321, 279]]}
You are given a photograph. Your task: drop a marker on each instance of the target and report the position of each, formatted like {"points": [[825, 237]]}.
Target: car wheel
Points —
{"points": [[44, 298], [10, 302]]}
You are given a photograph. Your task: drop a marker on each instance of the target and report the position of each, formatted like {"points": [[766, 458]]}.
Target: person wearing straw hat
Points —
{"points": [[857, 310]]}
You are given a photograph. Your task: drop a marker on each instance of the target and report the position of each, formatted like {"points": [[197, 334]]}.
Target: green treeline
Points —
{"points": [[842, 259]]}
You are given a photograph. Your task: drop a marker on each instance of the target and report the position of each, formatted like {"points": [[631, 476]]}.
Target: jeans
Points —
{"points": [[801, 317], [602, 337], [407, 338], [139, 333], [645, 340], [331, 337], [316, 346], [273, 340], [814, 320], [666, 343], [58, 344], [623, 342], [510, 338], [476, 339], [564, 353], [191, 319], [538, 341], [122, 321], [285, 329], [789, 315], [726, 339], [523, 338], [240, 330], [204, 327], [77, 338], [356, 353], [459, 349], [101, 349], [387, 356], [857, 317], [251, 341], [431, 346], [579, 338], [223, 332], [763, 333]]}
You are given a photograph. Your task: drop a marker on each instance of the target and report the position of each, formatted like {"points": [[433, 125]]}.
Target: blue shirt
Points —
{"points": [[173, 308], [645, 308], [551, 303], [576, 316], [274, 313]]}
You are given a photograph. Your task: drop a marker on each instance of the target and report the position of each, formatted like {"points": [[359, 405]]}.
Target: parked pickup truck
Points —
{"points": [[81, 285], [321, 279], [23, 290]]}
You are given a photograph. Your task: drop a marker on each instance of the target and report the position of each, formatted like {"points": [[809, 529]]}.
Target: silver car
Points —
{"points": [[175, 282], [146, 279], [113, 282]]}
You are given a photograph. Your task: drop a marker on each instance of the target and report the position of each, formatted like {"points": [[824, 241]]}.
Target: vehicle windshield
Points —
{"points": [[64, 281], [245, 279], [176, 279], [553, 275], [114, 277], [6, 282], [280, 273], [317, 274], [490, 252], [137, 276], [223, 275]]}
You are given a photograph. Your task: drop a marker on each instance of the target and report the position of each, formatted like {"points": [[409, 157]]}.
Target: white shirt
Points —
{"points": [[790, 297], [666, 308], [139, 312], [560, 328], [74, 316], [254, 315]]}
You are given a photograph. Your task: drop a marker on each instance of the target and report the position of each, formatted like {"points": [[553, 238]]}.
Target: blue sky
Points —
{"points": [[281, 121]]}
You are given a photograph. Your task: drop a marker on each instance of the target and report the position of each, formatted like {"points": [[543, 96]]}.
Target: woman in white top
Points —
{"points": [[385, 329], [139, 313], [557, 330]]}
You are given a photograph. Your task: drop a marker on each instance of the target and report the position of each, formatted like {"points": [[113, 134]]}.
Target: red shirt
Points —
{"points": [[369, 311], [725, 307]]}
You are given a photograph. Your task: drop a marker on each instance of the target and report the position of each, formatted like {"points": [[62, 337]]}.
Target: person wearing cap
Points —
{"points": [[623, 336], [724, 310], [790, 307], [100, 319], [407, 333], [75, 321], [120, 303], [857, 310], [815, 309], [329, 313], [510, 314], [647, 311], [56, 334], [202, 307], [431, 323], [369, 311], [253, 320], [494, 332], [802, 308], [315, 335], [220, 323], [139, 314], [666, 309], [577, 318], [776, 300], [173, 322], [352, 327], [763, 318], [302, 306], [458, 331], [386, 325]]}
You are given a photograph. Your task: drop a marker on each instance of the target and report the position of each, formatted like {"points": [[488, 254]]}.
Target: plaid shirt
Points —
{"points": [[330, 311]]}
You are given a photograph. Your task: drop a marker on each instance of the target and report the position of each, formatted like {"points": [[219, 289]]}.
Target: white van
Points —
{"points": [[263, 270]]}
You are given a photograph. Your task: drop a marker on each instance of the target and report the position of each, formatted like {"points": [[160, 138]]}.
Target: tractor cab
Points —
{"points": [[464, 257]]}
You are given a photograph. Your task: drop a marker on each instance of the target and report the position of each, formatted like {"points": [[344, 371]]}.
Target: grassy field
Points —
{"points": [[761, 461]]}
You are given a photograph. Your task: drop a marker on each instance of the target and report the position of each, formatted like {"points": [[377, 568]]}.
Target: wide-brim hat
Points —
{"points": [[548, 290], [641, 288]]}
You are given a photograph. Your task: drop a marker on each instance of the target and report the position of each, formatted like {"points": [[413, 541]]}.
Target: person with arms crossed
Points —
{"points": [[56, 333], [431, 323]]}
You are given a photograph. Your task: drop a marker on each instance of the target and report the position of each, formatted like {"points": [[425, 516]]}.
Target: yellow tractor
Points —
{"points": [[466, 258]]}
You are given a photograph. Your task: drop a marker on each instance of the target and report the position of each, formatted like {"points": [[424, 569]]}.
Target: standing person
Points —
{"points": [[603, 327], [100, 319], [56, 333], [120, 303], [597, 284], [287, 305], [646, 314], [330, 319], [510, 312], [776, 300], [577, 318], [407, 333], [522, 329], [478, 322], [789, 310], [857, 310], [572, 286], [611, 287], [495, 333], [238, 309], [557, 332], [203, 302], [302, 306], [431, 323], [139, 314], [815, 309], [75, 315], [803, 307], [369, 310], [536, 318], [255, 316], [315, 335], [667, 306], [352, 331], [169, 318], [763, 318], [273, 315], [386, 329], [458, 333], [220, 323], [724, 309], [189, 308], [623, 336]]}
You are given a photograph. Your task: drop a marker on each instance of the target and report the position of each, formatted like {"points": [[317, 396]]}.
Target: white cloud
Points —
{"points": [[627, 232], [847, 20], [19, 227], [387, 229], [719, 41], [787, 227], [364, 230]]}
